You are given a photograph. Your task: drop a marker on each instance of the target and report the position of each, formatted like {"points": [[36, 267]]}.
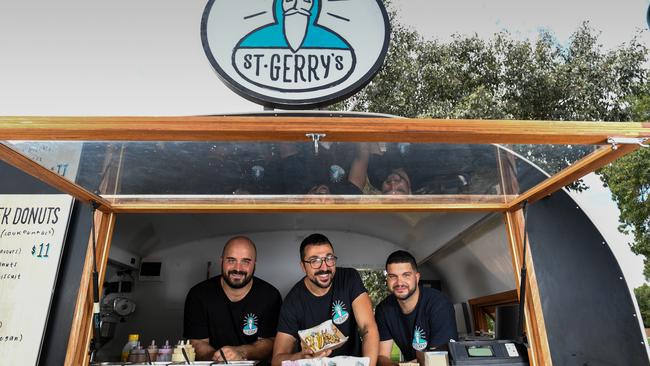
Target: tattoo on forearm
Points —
{"points": [[363, 332]]}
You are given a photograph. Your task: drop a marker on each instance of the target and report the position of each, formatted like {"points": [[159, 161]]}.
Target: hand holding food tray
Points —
{"points": [[322, 337]]}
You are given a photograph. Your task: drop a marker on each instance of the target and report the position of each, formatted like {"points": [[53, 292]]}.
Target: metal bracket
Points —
{"points": [[315, 137], [615, 141]]}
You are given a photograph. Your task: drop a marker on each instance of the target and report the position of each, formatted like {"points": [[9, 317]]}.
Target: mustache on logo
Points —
{"points": [[297, 11], [322, 272]]}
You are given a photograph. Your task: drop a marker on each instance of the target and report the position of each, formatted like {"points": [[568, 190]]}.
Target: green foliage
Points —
{"points": [[629, 180], [375, 282], [505, 78], [643, 299]]}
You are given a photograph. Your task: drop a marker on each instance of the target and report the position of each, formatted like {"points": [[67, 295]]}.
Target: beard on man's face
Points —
{"points": [[236, 279], [316, 281], [405, 296]]}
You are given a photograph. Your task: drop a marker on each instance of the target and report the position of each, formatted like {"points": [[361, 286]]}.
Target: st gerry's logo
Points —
{"points": [[295, 53]]}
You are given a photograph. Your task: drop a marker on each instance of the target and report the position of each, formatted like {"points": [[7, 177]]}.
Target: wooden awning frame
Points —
{"points": [[335, 129], [284, 128]]}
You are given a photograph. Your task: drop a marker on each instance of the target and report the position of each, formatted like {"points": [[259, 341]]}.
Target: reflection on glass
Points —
{"points": [[552, 158], [290, 168], [61, 158], [469, 173]]}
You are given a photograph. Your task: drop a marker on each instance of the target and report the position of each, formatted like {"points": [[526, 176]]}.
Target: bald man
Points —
{"points": [[233, 315]]}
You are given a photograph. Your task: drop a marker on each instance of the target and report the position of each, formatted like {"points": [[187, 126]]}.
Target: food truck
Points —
{"points": [[106, 238]]}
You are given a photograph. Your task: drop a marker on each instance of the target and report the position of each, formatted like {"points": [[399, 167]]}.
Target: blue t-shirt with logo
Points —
{"points": [[302, 310], [431, 323], [210, 314]]}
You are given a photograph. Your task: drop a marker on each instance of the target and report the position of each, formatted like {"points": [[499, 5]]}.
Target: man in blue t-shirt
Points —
{"points": [[415, 318], [325, 293]]}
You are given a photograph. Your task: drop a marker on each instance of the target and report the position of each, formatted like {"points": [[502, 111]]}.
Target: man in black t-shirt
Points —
{"points": [[326, 293], [233, 315], [415, 318]]}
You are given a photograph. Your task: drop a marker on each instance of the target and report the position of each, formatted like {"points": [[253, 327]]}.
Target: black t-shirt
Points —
{"points": [[210, 314], [432, 323], [302, 310]]}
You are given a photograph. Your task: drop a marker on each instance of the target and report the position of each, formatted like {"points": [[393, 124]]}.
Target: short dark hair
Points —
{"points": [[313, 239], [401, 256]]}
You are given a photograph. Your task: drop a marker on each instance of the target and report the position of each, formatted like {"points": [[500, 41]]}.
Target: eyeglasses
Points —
{"points": [[316, 262]]}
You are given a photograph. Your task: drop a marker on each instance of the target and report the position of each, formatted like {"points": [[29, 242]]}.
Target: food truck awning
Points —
{"points": [[250, 163]]}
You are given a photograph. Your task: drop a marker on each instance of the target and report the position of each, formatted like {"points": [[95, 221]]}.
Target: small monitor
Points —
{"points": [[150, 270], [505, 324], [480, 351]]}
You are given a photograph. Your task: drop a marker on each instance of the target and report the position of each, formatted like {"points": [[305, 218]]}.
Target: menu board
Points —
{"points": [[32, 234]]}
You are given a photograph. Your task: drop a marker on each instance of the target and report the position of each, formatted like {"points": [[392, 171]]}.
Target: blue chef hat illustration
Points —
{"points": [[295, 28]]}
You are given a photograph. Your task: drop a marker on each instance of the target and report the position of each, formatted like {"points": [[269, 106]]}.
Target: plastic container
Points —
{"points": [[191, 353], [132, 343], [153, 351], [177, 356], [165, 352], [137, 354]]}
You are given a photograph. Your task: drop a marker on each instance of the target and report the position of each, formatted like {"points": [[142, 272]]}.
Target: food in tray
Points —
{"points": [[322, 337], [319, 340]]}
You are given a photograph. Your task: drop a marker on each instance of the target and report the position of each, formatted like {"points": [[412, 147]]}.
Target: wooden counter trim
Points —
{"points": [[539, 351], [283, 128], [303, 203], [582, 167], [81, 329], [27, 165], [238, 208]]}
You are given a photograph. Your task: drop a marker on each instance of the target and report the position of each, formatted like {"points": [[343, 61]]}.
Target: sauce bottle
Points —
{"points": [[165, 352], [177, 356], [153, 351], [137, 355], [133, 342]]}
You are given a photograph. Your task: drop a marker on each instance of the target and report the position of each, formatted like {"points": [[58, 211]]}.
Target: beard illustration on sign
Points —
{"points": [[294, 53], [296, 20]]}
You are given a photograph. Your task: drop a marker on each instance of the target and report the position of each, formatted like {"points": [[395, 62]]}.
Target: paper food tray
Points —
{"points": [[325, 326]]}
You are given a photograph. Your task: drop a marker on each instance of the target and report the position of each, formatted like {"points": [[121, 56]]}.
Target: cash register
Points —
{"points": [[488, 352]]}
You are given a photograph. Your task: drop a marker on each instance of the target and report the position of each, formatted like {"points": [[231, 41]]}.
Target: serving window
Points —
{"points": [[313, 163]]}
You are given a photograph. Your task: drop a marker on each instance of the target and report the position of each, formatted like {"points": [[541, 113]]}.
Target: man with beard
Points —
{"points": [[397, 182], [415, 318], [326, 293], [233, 315]]}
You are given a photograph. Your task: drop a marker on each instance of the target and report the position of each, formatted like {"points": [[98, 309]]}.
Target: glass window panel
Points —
{"points": [[294, 172]]}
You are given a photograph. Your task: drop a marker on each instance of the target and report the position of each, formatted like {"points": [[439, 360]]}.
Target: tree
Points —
{"points": [[375, 283], [643, 299], [505, 78], [628, 178]]}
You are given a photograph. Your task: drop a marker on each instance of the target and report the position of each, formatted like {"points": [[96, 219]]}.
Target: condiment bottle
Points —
{"points": [[189, 349], [137, 354], [133, 341], [153, 351], [177, 356], [165, 352]]}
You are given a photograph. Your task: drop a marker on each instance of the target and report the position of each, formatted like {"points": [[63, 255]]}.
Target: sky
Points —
{"points": [[144, 57]]}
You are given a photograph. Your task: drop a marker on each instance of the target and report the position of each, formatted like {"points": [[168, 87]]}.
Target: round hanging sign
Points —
{"points": [[295, 54]]}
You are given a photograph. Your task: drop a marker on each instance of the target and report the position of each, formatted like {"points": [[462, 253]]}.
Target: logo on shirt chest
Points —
{"points": [[419, 339], [250, 324], [339, 313]]}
